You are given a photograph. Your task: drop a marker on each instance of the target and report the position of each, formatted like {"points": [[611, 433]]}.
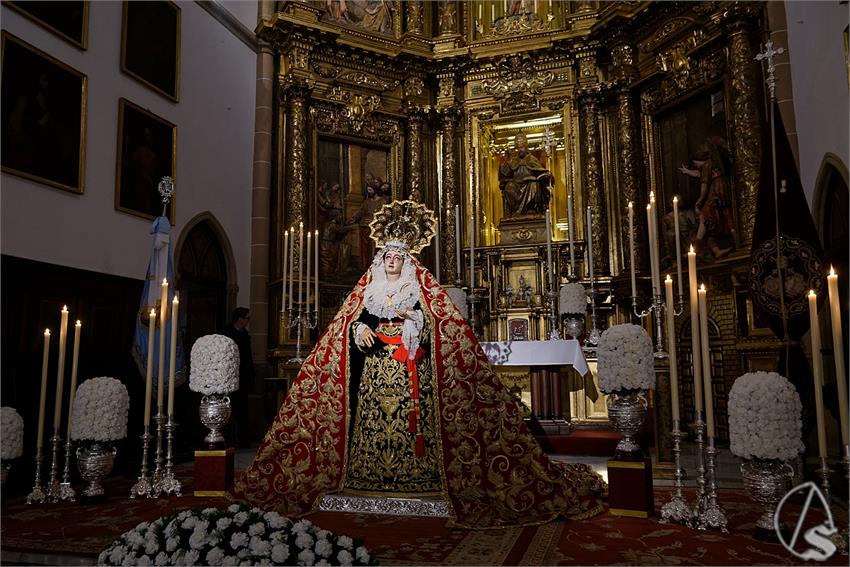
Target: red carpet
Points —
{"points": [[74, 529]]}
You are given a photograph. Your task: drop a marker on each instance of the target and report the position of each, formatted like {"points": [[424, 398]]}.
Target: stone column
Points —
{"points": [[296, 94], [740, 22], [594, 190], [451, 194], [415, 117]]}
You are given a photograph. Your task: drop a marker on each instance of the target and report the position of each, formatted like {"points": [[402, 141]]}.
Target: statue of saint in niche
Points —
{"points": [[524, 182]]}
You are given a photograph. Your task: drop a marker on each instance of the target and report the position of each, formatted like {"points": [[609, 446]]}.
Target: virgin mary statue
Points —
{"points": [[398, 399]]}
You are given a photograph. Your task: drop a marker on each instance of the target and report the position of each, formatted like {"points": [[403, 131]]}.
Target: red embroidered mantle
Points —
{"points": [[494, 472]]}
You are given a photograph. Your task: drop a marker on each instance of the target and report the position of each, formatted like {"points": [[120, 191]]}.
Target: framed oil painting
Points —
{"points": [[147, 146], [67, 19], [150, 45], [375, 16], [351, 183], [43, 117]]}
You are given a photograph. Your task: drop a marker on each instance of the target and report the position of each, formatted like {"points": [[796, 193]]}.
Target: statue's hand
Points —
{"points": [[367, 337]]}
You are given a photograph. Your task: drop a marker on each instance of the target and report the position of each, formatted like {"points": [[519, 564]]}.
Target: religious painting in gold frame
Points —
{"points": [[150, 45], [43, 117], [694, 164], [373, 16], [147, 152], [352, 178], [67, 19]]}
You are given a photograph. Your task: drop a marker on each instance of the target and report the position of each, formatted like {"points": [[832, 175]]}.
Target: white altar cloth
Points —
{"points": [[536, 353]]}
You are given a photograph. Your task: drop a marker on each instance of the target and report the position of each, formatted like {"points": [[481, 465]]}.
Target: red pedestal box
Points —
{"points": [[213, 472], [630, 488]]}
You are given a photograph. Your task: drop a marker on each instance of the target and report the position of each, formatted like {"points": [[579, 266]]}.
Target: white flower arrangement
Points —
{"points": [[12, 424], [625, 359], [765, 417], [100, 410], [572, 299], [237, 535], [214, 365]]}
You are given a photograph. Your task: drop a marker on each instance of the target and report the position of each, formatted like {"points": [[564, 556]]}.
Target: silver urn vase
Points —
{"points": [[215, 412], [94, 461], [573, 325], [766, 481], [626, 410]]}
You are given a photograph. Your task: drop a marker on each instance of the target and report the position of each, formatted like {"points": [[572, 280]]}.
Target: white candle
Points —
{"points": [[492, 12], [316, 272], [653, 234], [471, 253], [706, 360], [291, 263], [695, 342], [42, 401], [678, 245], [632, 247], [671, 349], [283, 273], [838, 351], [163, 317], [307, 272], [72, 392], [437, 253], [651, 255], [570, 224], [172, 355], [149, 372], [817, 370], [60, 371], [549, 249], [300, 261], [457, 242], [589, 232], [480, 13]]}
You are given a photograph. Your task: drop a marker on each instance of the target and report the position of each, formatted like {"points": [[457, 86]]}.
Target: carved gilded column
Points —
{"points": [[589, 115], [414, 9], [740, 22], [297, 97], [623, 57], [450, 194], [447, 17], [415, 117]]}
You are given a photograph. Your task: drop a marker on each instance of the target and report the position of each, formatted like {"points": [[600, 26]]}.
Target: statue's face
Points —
{"points": [[393, 261]]}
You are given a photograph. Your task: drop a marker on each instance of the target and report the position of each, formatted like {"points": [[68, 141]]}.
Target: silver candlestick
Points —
{"points": [[656, 309], [701, 500], [677, 509], [300, 319], [157, 471], [166, 483], [66, 493], [713, 516], [592, 340], [37, 495], [554, 332], [824, 472], [53, 488], [143, 485]]}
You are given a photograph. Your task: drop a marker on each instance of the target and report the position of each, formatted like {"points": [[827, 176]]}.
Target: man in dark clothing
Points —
{"points": [[237, 330]]}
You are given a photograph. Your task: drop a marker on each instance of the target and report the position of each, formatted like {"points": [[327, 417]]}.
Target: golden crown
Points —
{"points": [[408, 224]]}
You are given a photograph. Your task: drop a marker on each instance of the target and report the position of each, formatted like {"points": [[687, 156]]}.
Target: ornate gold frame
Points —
{"points": [[83, 43], [175, 96]]}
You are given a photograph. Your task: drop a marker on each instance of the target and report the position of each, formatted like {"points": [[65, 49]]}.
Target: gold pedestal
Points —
{"points": [[526, 229]]}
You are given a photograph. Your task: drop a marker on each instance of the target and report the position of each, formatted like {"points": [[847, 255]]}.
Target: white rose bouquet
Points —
{"points": [[765, 417], [625, 359], [236, 536], [572, 299], [214, 365], [12, 431], [100, 410]]}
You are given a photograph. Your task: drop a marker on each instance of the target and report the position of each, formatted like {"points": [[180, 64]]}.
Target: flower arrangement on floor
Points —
{"points": [[215, 365], [625, 360], [572, 300], [12, 432], [765, 417], [237, 535], [100, 410]]}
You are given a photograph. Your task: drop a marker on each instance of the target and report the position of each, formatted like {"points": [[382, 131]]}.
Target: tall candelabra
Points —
{"points": [[159, 418], [143, 485], [54, 491], [677, 509], [656, 310], [66, 493], [37, 495], [712, 515], [299, 318], [165, 482], [592, 340]]}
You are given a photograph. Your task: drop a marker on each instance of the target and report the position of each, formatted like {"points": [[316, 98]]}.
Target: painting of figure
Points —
{"points": [[371, 15]]}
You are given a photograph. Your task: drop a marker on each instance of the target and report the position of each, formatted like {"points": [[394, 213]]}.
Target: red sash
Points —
{"points": [[400, 355]]}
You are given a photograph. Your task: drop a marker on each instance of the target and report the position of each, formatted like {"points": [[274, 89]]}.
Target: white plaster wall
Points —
{"points": [[244, 10], [215, 125], [819, 78]]}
